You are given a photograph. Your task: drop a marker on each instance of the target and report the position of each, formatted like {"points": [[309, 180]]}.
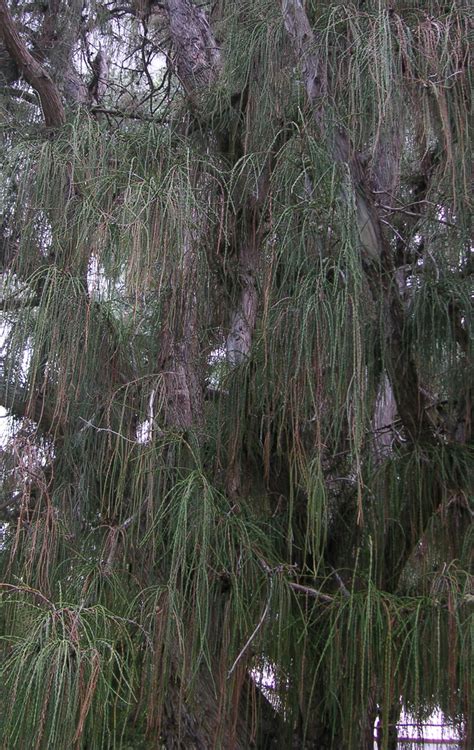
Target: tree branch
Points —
{"points": [[33, 72], [197, 52], [411, 402], [24, 96]]}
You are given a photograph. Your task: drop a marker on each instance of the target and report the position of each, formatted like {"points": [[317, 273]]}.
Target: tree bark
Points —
{"points": [[197, 52], [34, 73]]}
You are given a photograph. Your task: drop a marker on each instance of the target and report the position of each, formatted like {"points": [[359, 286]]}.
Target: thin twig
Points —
{"points": [[28, 590], [403, 210], [259, 625], [125, 115], [310, 592], [341, 583], [87, 423]]}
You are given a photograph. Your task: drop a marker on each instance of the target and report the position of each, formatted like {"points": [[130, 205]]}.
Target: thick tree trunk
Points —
{"points": [[204, 722]]}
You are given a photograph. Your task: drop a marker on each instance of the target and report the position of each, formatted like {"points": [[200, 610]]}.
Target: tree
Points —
{"points": [[236, 295]]}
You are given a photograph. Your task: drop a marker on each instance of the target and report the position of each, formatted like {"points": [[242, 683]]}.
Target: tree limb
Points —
{"points": [[33, 72], [197, 52], [24, 96]]}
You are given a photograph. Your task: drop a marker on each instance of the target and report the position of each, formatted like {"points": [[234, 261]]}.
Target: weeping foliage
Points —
{"points": [[149, 565], [67, 672]]}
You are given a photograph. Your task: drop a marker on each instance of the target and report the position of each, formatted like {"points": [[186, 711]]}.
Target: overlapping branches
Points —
{"points": [[298, 248]]}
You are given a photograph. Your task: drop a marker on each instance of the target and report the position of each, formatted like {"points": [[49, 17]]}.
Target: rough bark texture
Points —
{"points": [[385, 415], [8, 67], [197, 53], [180, 365], [34, 73], [244, 317]]}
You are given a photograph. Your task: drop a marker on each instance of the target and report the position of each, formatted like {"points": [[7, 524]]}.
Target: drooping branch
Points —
{"points": [[33, 72], [315, 81], [411, 399], [375, 249], [198, 62]]}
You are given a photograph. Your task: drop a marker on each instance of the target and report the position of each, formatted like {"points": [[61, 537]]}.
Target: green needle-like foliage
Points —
{"points": [[236, 503]]}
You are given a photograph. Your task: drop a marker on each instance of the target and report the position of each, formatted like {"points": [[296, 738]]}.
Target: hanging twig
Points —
{"points": [[259, 625]]}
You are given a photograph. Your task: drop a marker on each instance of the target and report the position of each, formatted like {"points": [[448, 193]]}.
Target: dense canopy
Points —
{"points": [[237, 372]]}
